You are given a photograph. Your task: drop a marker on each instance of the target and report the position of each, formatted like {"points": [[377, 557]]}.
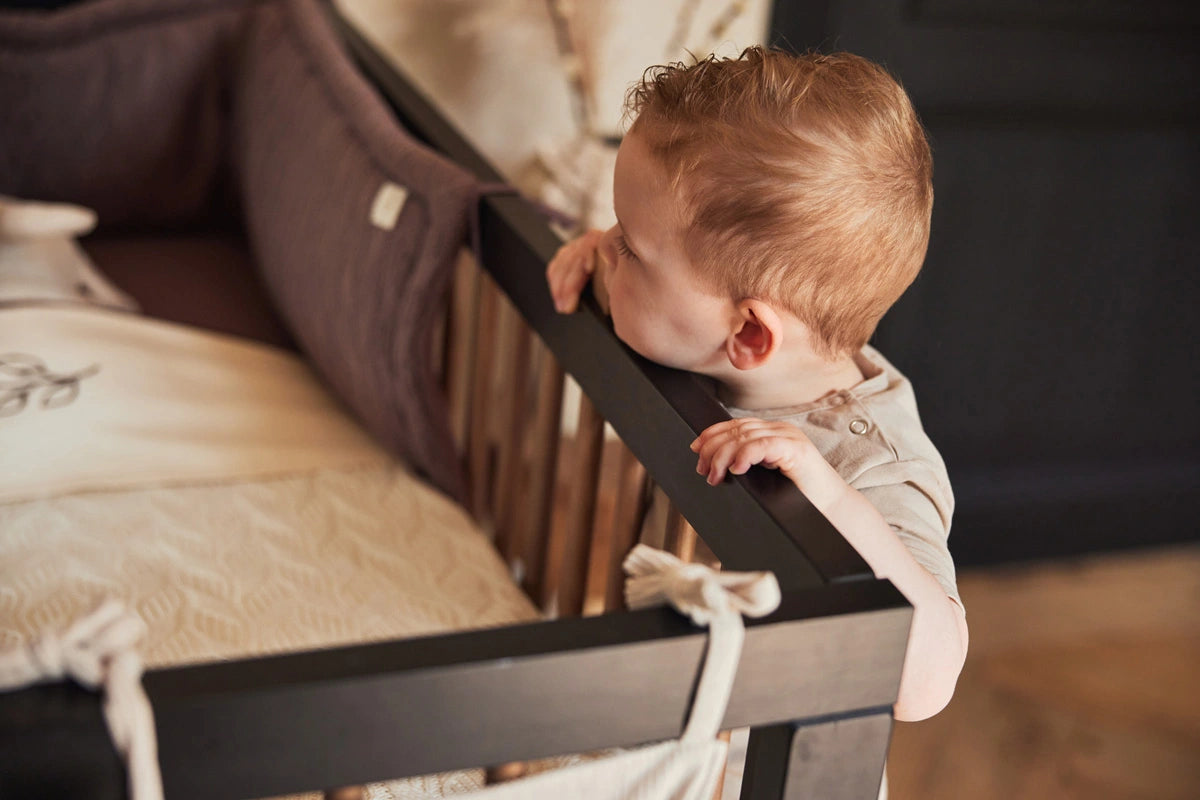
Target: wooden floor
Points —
{"points": [[1082, 681]]}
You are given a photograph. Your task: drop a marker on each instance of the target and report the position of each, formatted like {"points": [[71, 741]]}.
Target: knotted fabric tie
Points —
{"points": [[708, 597], [97, 651]]}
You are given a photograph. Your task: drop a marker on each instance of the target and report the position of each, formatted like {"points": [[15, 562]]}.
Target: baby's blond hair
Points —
{"points": [[806, 181]]}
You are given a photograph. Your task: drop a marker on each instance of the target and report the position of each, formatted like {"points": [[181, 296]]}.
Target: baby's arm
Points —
{"points": [[937, 645], [572, 267]]}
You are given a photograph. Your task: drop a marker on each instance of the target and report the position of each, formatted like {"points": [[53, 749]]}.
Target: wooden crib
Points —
{"points": [[817, 679]]}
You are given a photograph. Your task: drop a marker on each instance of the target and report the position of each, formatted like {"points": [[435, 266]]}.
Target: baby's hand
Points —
{"points": [[736, 445], [571, 269]]}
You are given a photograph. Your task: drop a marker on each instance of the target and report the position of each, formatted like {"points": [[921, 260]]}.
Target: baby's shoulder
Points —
{"points": [[872, 425]]}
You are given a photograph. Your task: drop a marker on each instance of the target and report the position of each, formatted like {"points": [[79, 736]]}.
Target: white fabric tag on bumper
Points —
{"points": [[389, 202]]}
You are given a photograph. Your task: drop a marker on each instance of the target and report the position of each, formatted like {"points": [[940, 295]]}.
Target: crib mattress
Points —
{"points": [[215, 487], [228, 570]]}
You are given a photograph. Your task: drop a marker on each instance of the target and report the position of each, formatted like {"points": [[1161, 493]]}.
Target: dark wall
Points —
{"points": [[1053, 334]]}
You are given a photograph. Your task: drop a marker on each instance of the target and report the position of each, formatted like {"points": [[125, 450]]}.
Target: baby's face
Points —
{"points": [[657, 304]]}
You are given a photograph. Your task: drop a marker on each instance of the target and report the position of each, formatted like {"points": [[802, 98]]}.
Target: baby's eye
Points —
{"points": [[623, 248]]}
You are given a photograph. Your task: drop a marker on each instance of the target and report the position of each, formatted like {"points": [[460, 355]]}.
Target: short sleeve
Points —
{"points": [[917, 502]]}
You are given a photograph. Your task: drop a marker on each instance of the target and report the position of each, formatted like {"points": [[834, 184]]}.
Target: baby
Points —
{"points": [[770, 209]]}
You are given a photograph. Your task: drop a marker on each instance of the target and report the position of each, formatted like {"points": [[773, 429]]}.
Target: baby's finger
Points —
{"points": [[725, 457], [716, 456], [713, 433], [768, 450], [705, 446], [759, 451], [554, 270], [741, 448], [570, 287], [708, 443], [556, 275], [717, 436], [567, 274], [716, 429]]}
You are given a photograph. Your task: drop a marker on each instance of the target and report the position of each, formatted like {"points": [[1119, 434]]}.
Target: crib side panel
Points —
{"points": [[416, 706], [527, 459]]}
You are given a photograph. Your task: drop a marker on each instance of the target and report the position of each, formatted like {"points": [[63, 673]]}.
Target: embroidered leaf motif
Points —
{"points": [[23, 376]]}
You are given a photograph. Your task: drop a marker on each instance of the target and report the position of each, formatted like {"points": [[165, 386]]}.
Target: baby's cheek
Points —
{"points": [[625, 324], [633, 329], [623, 305]]}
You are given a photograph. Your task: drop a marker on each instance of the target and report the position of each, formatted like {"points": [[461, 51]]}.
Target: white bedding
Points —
{"points": [[95, 399], [215, 486]]}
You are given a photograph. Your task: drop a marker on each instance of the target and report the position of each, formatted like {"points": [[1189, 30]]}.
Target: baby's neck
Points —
{"points": [[779, 385]]}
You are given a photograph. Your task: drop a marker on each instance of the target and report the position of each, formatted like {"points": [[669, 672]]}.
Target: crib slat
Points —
{"points": [[680, 536], [570, 545], [631, 501], [480, 449], [585, 496], [653, 532], [541, 476], [600, 546], [439, 348], [520, 468], [462, 319], [724, 736], [512, 416]]}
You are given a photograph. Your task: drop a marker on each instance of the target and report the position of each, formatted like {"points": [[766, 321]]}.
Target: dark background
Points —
{"points": [[1052, 336]]}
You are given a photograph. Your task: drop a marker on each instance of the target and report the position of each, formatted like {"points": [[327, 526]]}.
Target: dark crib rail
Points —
{"points": [[289, 723], [818, 677]]}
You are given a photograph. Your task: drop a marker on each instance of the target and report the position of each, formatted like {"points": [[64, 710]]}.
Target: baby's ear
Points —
{"points": [[757, 335]]}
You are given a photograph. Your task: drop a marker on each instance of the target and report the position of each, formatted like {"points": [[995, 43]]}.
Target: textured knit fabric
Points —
{"points": [[872, 436]]}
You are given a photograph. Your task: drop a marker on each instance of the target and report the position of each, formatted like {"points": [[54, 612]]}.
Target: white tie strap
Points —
{"points": [[99, 650], [708, 597], [688, 768], [698, 591]]}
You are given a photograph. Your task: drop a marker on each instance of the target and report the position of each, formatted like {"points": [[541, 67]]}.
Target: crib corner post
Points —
{"points": [[832, 759]]}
